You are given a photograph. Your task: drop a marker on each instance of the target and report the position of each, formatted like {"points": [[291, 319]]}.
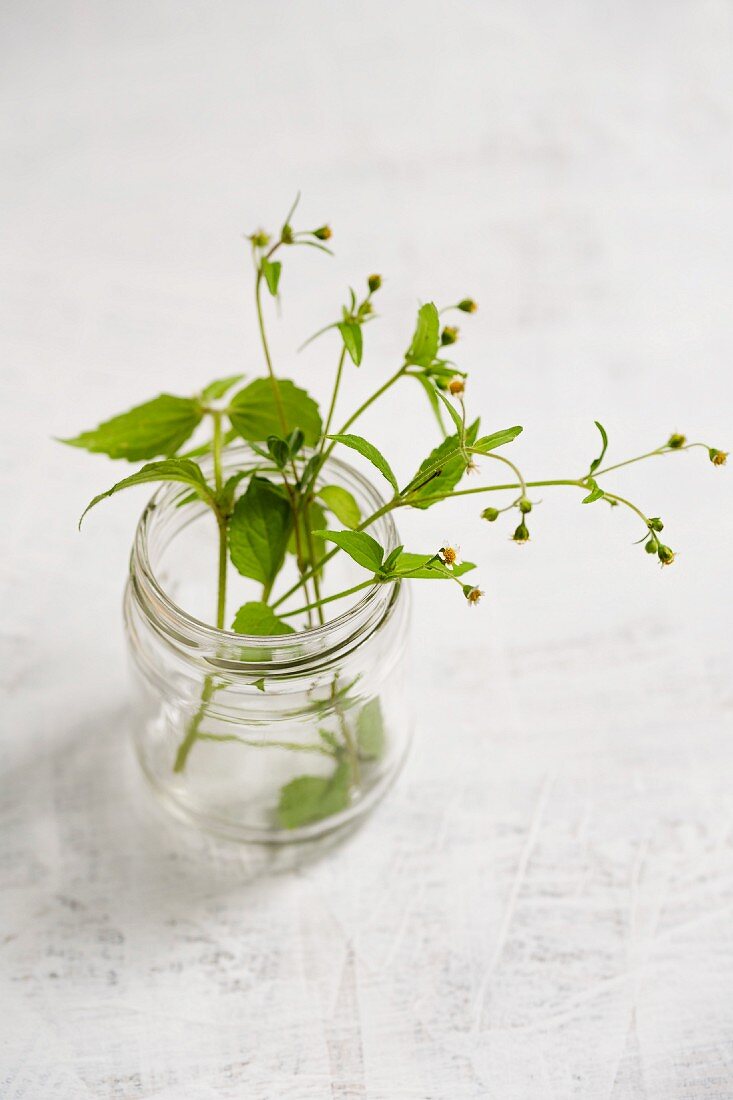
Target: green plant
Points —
{"points": [[280, 507]]}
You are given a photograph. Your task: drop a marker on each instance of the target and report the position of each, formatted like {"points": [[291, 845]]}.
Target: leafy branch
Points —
{"points": [[281, 505]]}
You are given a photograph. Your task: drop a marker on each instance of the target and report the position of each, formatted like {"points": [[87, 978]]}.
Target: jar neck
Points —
{"points": [[165, 518]]}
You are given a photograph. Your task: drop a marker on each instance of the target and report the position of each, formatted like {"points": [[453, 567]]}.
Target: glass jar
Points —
{"points": [[271, 739]]}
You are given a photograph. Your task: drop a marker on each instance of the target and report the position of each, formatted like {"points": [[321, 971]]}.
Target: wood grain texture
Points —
{"points": [[543, 907]]}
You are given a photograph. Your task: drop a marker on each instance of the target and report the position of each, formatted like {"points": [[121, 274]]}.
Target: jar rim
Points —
{"points": [[190, 632]]}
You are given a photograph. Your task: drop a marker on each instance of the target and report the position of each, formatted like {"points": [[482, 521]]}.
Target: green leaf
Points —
{"points": [[158, 427], [331, 741], [279, 451], [342, 504], [448, 470], [389, 561], [257, 618], [353, 340], [425, 342], [370, 452], [259, 531], [254, 411], [596, 493], [271, 270], [604, 440], [412, 563], [218, 389], [497, 439], [452, 410], [311, 798], [171, 469], [365, 550], [370, 730]]}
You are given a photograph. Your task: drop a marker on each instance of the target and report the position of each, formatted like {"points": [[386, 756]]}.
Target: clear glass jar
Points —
{"points": [[274, 739]]}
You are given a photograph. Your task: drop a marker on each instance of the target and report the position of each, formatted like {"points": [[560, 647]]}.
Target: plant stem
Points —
{"points": [[498, 488], [664, 450], [327, 556], [329, 599], [216, 451], [193, 728], [622, 500], [268, 357], [221, 587], [293, 746], [364, 406], [336, 385]]}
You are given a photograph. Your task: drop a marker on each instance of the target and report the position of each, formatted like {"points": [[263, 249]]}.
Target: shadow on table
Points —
{"points": [[91, 801]]}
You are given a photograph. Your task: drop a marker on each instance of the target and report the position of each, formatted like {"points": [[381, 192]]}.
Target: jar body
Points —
{"points": [[265, 739]]}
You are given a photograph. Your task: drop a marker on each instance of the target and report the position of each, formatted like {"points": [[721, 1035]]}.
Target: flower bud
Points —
{"points": [[651, 545], [676, 441], [525, 506], [286, 234], [260, 239], [324, 233], [521, 534], [449, 335], [655, 524], [665, 555], [718, 458], [490, 514], [374, 282], [467, 305]]}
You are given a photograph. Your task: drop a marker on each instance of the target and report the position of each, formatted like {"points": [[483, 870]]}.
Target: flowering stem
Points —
{"points": [[665, 450]]}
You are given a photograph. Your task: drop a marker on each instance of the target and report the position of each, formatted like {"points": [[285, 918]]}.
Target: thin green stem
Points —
{"points": [[329, 599], [193, 728], [664, 450], [364, 406], [292, 746], [268, 358], [496, 488], [638, 511], [221, 587], [317, 566], [334, 396], [216, 443]]}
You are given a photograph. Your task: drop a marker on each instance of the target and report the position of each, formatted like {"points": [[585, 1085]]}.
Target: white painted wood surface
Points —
{"points": [[544, 905]]}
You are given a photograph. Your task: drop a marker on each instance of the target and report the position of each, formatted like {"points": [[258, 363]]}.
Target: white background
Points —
{"points": [[543, 907]]}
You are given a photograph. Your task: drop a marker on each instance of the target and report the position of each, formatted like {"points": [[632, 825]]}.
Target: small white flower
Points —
{"points": [[450, 555]]}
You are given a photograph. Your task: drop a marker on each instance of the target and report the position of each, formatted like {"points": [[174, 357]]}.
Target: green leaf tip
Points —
{"points": [[362, 548], [157, 427], [181, 470], [369, 451]]}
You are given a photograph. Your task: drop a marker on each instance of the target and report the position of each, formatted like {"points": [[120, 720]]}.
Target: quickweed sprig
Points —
{"points": [[282, 506]]}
